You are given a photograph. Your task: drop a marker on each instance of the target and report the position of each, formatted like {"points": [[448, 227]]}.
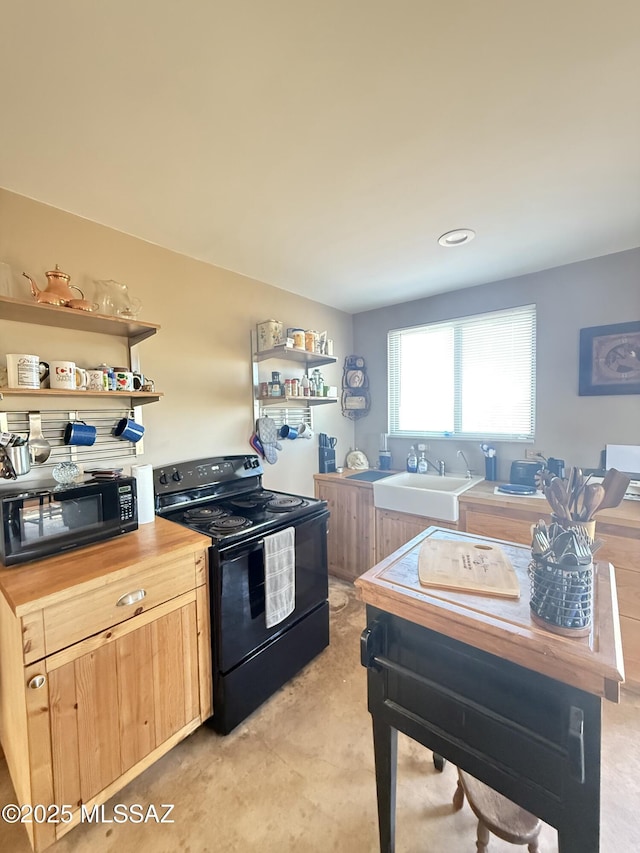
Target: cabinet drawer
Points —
{"points": [[499, 526], [86, 614]]}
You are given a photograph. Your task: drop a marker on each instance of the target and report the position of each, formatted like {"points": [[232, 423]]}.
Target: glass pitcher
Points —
{"points": [[114, 298]]}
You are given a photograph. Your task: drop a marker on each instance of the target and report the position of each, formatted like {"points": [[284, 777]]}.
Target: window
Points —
{"points": [[473, 377]]}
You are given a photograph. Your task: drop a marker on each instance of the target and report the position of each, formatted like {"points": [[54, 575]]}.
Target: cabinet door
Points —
{"points": [[351, 540], [112, 706], [394, 529]]}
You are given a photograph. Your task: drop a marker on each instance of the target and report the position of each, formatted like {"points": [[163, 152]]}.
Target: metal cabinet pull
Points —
{"points": [[371, 644], [131, 598], [36, 682], [575, 744]]}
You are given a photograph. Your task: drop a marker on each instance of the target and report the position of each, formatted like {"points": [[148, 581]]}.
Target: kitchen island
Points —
{"points": [[105, 665], [361, 535], [472, 678]]}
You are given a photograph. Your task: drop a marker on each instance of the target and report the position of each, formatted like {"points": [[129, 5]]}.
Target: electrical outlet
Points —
{"points": [[533, 454]]}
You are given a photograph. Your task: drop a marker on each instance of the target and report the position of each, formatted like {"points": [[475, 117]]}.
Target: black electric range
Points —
{"points": [[223, 497]]}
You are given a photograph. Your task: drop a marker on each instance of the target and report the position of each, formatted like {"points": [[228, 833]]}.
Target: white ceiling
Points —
{"points": [[324, 146]]}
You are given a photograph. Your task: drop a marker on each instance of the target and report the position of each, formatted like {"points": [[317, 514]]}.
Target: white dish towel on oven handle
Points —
{"points": [[279, 576]]}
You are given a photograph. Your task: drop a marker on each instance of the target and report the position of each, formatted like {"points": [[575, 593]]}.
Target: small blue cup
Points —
{"points": [[287, 431], [128, 430], [80, 433]]}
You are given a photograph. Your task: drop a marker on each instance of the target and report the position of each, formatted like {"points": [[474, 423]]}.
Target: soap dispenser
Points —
{"points": [[423, 465], [412, 461]]}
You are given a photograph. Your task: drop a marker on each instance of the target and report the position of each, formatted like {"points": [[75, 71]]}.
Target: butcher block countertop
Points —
{"points": [[627, 514], [44, 582], [500, 626]]}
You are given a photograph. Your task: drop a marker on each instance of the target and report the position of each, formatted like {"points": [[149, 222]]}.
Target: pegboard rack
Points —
{"points": [[293, 416], [106, 448]]}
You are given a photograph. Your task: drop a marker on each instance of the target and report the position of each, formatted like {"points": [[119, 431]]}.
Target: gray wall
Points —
{"points": [[598, 292]]}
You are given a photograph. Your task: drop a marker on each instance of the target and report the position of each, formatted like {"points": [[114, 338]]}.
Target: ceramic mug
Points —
{"points": [[128, 430], [23, 371], [82, 379], [80, 433], [305, 431], [62, 375], [124, 380], [96, 380]]}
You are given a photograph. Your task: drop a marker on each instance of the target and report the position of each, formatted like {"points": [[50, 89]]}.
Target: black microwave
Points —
{"points": [[44, 522]]}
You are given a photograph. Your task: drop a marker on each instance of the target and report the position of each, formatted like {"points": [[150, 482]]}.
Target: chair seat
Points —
{"points": [[502, 817]]}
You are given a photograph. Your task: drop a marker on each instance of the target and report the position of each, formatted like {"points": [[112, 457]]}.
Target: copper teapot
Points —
{"points": [[57, 291]]}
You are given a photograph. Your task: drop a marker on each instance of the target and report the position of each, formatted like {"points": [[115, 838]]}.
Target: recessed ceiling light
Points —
{"points": [[457, 237]]}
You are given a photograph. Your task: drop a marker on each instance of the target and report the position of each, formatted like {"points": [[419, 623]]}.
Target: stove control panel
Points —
{"points": [[214, 471]]}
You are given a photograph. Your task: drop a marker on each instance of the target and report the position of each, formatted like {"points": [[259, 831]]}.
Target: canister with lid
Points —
{"points": [[298, 338], [310, 340]]}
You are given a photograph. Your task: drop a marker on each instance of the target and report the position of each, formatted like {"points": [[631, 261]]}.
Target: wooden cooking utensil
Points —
{"points": [[615, 485], [558, 491], [592, 498]]}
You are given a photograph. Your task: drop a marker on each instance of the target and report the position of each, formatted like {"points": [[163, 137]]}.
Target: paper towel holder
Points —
{"points": [[143, 475]]}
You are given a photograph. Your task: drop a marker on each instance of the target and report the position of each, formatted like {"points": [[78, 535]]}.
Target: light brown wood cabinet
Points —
{"points": [[351, 539], [395, 529], [82, 720]]}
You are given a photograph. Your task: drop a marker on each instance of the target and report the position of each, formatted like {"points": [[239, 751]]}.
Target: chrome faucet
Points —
{"points": [[469, 473], [440, 467]]}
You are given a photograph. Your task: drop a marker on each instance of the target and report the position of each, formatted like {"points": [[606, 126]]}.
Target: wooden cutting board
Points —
{"points": [[468, 566]]}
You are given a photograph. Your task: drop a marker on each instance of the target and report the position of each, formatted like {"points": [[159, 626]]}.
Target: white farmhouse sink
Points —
{"points": [[422, 494]]}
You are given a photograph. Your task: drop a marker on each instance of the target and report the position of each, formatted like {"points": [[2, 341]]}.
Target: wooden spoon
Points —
{"points": [[556, 494], [615, 485], [592, 498]]}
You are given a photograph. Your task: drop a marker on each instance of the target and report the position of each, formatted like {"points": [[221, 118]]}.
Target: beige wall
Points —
{"points": [[200, 358], [598, 292]]}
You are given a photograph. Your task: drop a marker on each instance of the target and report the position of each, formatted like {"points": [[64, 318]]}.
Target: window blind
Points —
{"points": [[472, 377]]}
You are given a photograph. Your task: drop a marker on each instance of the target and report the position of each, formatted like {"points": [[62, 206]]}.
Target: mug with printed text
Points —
{"points": [[23, 370], [62, 375]]}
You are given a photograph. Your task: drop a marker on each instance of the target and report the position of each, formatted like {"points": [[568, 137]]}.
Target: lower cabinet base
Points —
{"points": [[127, 777]]}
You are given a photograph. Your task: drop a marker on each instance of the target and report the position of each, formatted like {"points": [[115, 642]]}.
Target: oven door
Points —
{"points": [[237, 591]]}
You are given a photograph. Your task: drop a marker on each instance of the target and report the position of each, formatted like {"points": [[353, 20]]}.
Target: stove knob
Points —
{"points": [[177, 476], [163, 478]]}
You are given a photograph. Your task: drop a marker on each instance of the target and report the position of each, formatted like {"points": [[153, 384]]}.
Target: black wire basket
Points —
{"points": [[561, 596]]}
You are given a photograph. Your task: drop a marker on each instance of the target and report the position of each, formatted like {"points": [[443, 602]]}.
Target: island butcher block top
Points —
{"points": [[503, 626]]}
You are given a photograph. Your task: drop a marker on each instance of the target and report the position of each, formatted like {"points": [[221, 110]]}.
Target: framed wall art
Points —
{"points": [[610, 359]]}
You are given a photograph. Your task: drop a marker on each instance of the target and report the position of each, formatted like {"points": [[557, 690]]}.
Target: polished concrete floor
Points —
{"points": [[298, 776]]}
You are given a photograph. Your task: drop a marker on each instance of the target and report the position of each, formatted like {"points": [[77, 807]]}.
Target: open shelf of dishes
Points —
{"points": [[60, 317]]}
